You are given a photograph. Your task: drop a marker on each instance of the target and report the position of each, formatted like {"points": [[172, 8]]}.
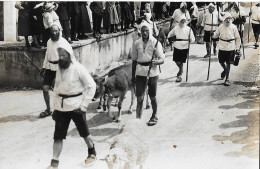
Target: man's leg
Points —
{"points": [[154, 106], [227, 71], [46, 96], [57, 148], [214, 47], [140, 89], [208, 49], [179, 74], [152, 93], [139, 107]]}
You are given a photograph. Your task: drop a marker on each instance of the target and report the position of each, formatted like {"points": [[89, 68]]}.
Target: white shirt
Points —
{"points": [[140, 54], [195, 11], [177, 15], [201, 13], [207, 20], [49, 18], [227, 33], [182, 33], [255, 15], [73, 80], [52, 53]]}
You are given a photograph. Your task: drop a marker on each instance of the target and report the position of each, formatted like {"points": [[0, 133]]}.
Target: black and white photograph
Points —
{"points": [[129, 84]]}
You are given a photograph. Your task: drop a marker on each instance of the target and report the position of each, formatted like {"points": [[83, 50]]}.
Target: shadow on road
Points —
{"points": [[248, 137], [252, 100], [201, 84], [167, 80], [201, 58], [15, 118]]}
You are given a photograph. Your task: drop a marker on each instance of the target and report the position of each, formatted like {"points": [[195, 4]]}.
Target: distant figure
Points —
{"points": [[181, 36], [229, 44]]}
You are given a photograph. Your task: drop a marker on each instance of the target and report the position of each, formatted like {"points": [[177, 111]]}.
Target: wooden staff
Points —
{"points": [[210, 46]]}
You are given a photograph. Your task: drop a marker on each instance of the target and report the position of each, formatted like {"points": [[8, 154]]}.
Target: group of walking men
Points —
{"points": [[217, 26], [74, 87]]}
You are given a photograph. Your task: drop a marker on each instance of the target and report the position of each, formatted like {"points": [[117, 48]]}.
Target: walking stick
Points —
{"points": [[249, 23], [33, 63], [187, 71], [210, 45], [240, 31], [150, 65]]}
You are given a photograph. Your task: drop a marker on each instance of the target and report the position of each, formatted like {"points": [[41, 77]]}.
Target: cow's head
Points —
{"points": [[100, 89]]}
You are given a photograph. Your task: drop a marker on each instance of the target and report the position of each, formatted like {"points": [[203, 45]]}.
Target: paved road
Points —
{"points": [[202, 124]]}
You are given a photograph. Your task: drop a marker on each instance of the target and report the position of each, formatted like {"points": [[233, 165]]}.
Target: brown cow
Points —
{"points": [[115, 85]]}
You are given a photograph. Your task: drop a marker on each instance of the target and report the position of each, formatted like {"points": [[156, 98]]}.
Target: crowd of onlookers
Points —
{"points": [[78, 20]]}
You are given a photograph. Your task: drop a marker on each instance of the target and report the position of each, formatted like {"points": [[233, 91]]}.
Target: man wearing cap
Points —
{"points": [[50, 64], [73, 90], [229, 44], [178, 13], [147, 55], [255, 15], [210, 25], [181, 36]]}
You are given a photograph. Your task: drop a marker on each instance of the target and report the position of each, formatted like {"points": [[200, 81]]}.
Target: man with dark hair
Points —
{"points": [[147, 55], [50, 65], [229, 44], [73, 90]]}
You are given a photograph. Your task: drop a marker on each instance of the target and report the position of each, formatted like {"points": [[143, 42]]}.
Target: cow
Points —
{"points": [[115, 85]]}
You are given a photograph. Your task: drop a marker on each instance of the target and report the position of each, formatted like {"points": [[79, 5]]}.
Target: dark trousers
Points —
{"points": [[46, 36], [66, 28], [97, 18], [74, 24]]}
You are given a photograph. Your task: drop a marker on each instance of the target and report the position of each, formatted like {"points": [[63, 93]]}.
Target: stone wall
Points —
{"points": [[16, 70]]}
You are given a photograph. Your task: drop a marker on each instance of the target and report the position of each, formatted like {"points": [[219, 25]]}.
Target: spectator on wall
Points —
{"points": [[97, 13], [84, 21], [49, 18], [64, 20], [73, 12], [24, 20]]}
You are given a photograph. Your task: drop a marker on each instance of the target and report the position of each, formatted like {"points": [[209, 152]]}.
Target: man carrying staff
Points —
{"points": [[144, 62], [255, 15], [229, 44], [178, 13], [210, 25], [73, 90], [50, 65], [181, 36]]}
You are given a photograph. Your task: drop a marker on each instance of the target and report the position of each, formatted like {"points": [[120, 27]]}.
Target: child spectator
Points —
{"points": [[49, 18]]}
